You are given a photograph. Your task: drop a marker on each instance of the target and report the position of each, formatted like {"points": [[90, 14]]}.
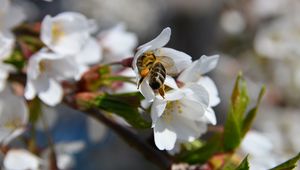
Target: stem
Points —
{"points": [[152, 154], [52, 158], [149, 152]]}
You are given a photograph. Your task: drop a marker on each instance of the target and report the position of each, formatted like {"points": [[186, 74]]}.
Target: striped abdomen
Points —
{"points": [[157, 76]]}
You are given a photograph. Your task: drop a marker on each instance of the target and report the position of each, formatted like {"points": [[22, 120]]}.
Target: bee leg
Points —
{"points": [[140, 82], [143, 73], [161, 91]]}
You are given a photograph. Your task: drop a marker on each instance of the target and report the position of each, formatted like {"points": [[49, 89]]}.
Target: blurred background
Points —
{"points": [[261, 38]]}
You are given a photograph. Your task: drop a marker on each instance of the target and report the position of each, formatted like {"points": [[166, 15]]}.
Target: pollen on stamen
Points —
{"points": [[42, 66], [167, 115], [57, 32], [13, 124]]}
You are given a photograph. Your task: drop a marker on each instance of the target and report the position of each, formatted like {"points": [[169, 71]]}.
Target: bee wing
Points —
{"points": [[169, 65]]}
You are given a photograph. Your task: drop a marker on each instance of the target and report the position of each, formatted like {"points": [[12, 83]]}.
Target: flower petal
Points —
{"points": [[65, 161], [198, 68], [197, 93], [14, 16], [65, 33], [30, 92], [13, 135], [170, 81], [157, 109], [212, 90], [185, 129], [210, 116], [13, 119], [257, 144], [174, 95], [118, 43], [3, 78], [53, 95], [164, 137], [4, 134], [191, 110], [161, 40], [17, 159], [147, 91], [5, 4], [208, 63], [64, 68], [91, 53], [96, 130], [6, 44], [181, 59]]}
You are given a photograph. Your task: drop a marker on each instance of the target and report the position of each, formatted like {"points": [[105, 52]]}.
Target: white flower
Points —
{"points": [[44, 73], [20, 159], [260, 150], [117, 43], [10, 16], [184, 113], [114, 11], [280, 39], [179, 60], [269, 8], [64, 153], [195, 73], [177, 116], [233, 22], [67, 32], [125, 87], [6, 45], [90, 54], [96, 130], [12, 119]]}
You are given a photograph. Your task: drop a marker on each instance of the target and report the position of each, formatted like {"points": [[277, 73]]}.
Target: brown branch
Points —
{"points": [[149, 152]]}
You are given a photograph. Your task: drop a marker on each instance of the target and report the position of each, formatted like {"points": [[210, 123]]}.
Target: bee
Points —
{"points": [[156, 68]]}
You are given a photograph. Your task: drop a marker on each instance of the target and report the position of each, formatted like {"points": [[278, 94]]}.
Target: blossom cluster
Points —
{"points": [[182, 114], [70, 48], [68, 59]]}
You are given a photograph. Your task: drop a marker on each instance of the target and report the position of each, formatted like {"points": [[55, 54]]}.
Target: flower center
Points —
{"points": [[57, 32], [275, 37], [13, 124], [42, 66], [173, 107]]}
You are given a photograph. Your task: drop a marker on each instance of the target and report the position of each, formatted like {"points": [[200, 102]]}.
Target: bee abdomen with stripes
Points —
{"points": [[157, 76]]}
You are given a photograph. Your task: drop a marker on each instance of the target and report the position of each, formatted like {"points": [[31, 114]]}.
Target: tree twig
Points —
{"points": [[149, 152]]}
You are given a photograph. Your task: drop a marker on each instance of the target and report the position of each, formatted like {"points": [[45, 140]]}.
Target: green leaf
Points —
{"points": [[235, 116], [124, 105], [104, 70], [119, 78], [16, 59], [248, 120], [232, 132], [35, 109], [189, 146], [204, 153], [244, 165], [239, 97], [288, 165]]}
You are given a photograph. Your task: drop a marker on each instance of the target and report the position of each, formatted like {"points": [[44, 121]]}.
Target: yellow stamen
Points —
{"points": [[57, 32], [42, 66], [172, 107], [13, 124]]}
